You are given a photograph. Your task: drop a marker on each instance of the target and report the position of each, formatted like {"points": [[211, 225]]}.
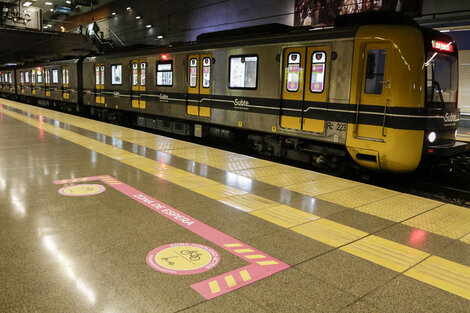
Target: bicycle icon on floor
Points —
{"points": [[193, 255]]}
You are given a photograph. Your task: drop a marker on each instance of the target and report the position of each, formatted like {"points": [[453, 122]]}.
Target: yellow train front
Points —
{"points": [[404, 90]]}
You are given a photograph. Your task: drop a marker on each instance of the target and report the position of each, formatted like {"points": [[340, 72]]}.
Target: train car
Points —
{"points": [[56, 83], [7, 82], [377, 89]]}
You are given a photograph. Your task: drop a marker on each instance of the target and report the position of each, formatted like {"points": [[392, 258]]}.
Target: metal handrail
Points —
{"points": [[111, 31]]}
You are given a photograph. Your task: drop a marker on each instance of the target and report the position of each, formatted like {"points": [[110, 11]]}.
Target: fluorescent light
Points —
{"points": [[52, 10], [149, 26], [27, 3], [159, 37], [137, 17], [114, 13], [68, 1], [48, 3], [128, 8], [445, 30]]}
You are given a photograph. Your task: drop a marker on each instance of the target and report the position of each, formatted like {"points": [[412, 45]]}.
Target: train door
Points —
{"points": [[139, 74], [304, 91], [199, 88], [375, 91], [99, 83], [47, 82]]}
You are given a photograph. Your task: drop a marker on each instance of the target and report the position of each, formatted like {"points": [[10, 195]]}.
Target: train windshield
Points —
{"points": [[441, 80]]}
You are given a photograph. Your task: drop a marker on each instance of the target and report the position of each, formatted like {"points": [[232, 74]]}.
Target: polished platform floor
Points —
{"points": [[100, 218]]}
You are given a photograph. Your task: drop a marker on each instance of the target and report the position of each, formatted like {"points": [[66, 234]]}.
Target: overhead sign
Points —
{"points": [[63, 10]]}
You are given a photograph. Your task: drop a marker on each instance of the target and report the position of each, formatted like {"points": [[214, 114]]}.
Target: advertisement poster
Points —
{"points": [[319, 13]]}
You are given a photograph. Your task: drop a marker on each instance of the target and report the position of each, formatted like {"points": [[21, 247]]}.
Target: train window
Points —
{"points": [[10, 78], [243, 71], [33, 76], [317, 80], [293, 72], [22, 77], [1, 78], [135, 74], [97, 75], [116, 74], [55, 76], [206, 72], [65, 75], [39, 73], [102, 75], [143, 67], [47, 77], [375, 69], [165, 73], [26, 77], [193, 72]]}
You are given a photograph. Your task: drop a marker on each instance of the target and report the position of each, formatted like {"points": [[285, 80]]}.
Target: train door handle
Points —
{"points": [[386, 83]]}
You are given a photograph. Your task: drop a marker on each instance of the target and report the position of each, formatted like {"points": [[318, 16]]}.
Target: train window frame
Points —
{"points": [[324, 63], [159, 62], [209, 73], [375, 74], [113, 67], [39, 76], [97, 75], [196, 76], [135, 73], [230, 71], [55, 76], [287, 72], [143, 74]]}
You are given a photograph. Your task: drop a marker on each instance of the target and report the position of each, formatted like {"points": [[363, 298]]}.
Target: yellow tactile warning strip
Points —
{"points": [[329, 232], [357, 196], [466, 239], [387, 253], [447, 220], [285, 216], [400, 207], [249, 202], [375, 249], [444, 274]]}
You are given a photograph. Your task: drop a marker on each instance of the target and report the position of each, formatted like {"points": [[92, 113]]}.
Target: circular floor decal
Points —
{"points": [[183, 258], [82, 190]]}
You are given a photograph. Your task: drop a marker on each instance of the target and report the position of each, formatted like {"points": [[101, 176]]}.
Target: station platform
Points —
{"points": [[100, 218]]}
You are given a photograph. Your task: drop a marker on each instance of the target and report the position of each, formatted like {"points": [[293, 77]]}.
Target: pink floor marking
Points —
{"points": [[261, 264]]}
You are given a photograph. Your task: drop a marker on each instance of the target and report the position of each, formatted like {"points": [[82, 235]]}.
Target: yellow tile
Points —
{"points": [[243, 250], [387, 253], [230, 281], [270, 170], [218, 191], [245, 275], [214, 286], [249, 202], [448, 220], [284, 216], [290, 178], [466, 239], [329, 232], [322, 186], [231, 245], [400, 207], [193, 182], [255, 256], [264, 263], [358, 196], [443, 274]]}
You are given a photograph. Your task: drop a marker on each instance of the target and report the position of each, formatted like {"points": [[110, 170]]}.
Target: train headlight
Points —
{"points": [[432, 137]]}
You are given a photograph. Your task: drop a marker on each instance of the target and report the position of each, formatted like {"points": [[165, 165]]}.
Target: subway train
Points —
{"points": [[376, 90]]}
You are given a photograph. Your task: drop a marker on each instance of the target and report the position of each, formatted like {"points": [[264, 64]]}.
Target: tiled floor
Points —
{"points": [[349, 247]]}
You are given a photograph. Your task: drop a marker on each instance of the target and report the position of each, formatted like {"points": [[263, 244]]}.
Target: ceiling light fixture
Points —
{"points": [[48, 3], [68, 2], [137, 17], [160, 37], [149, 26], [128, 8], [113, 14], [27, 3]]}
